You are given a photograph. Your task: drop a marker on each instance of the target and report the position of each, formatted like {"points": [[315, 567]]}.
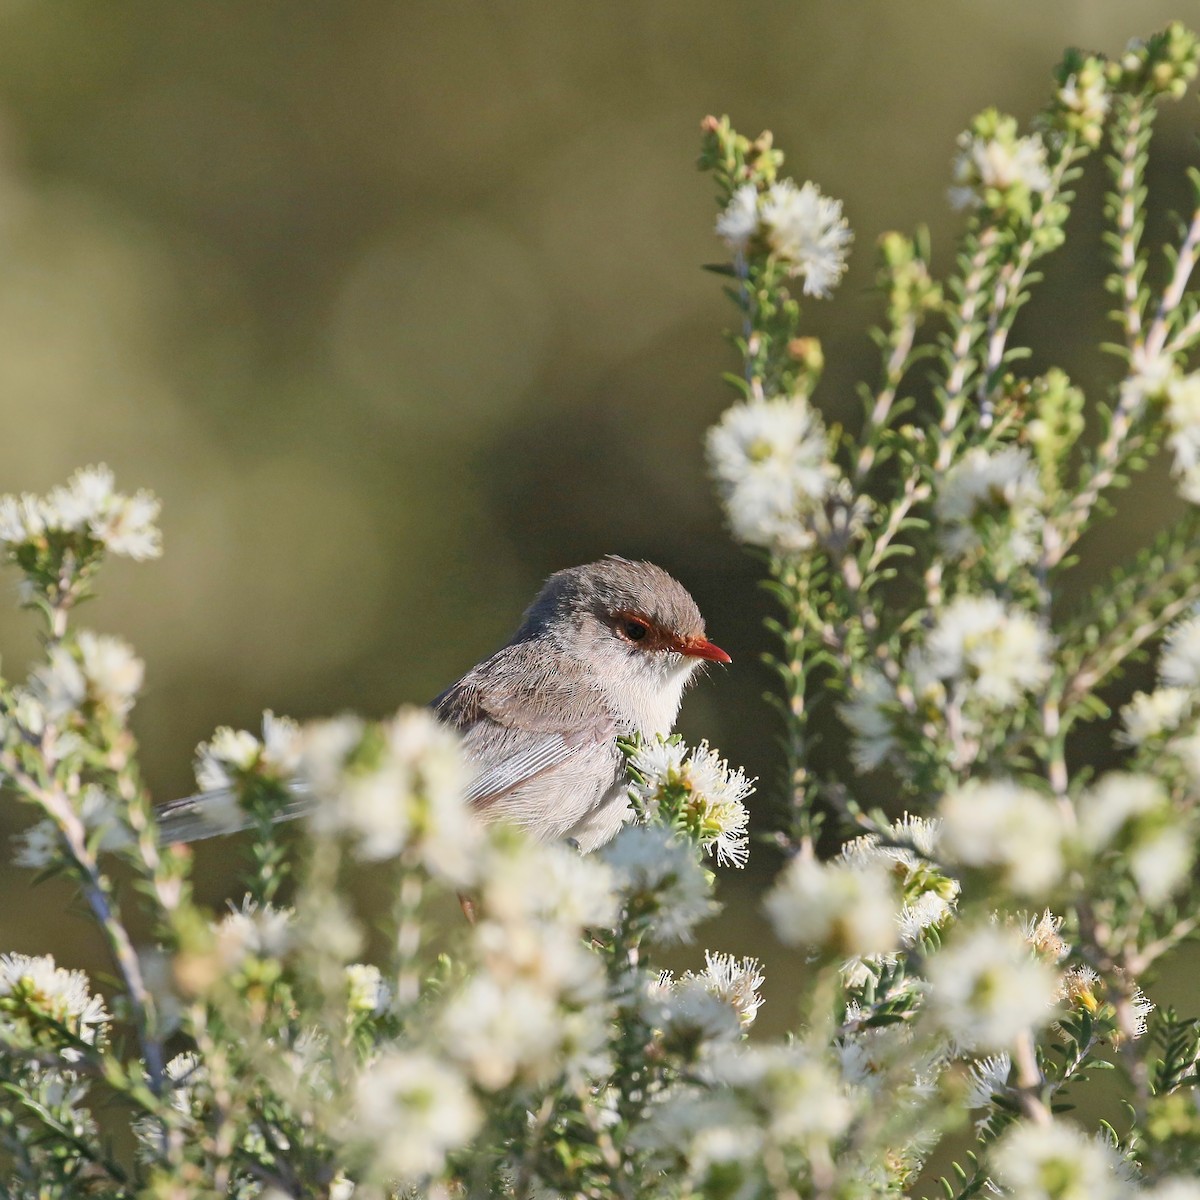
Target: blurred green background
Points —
{"points": [[398, 308]]}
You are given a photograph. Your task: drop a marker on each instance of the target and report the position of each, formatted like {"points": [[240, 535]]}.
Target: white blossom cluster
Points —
{"points": [[1059, 1161], [908, 850], [89, 671], [232, 753], [844, 908], [1164, 721], [658, 875], [539, 1008], [1086, 95], [981, 652], [772, 465], [411, 1107], [986, 988], [992, 500], [34, 987], [991, 165], [696, 790], [980, 659], [752, 1104], [407, 791], [1133, 814], [1001, 825], [254, 931], [800, 226], [88, 504]]}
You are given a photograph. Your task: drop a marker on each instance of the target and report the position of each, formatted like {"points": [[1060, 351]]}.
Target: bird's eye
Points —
{"points": [[635, 631]]}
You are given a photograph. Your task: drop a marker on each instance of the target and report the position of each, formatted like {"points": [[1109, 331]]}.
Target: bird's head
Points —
{"points": [[631, 624]]}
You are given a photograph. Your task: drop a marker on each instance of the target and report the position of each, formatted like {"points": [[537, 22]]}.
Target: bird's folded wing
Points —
{"points": [[521, 715]]}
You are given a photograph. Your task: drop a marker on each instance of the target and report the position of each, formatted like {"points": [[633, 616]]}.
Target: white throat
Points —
{"points": [[648, 698]]}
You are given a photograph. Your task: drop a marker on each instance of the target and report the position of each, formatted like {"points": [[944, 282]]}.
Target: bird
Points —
{"points": [[604, 652]]}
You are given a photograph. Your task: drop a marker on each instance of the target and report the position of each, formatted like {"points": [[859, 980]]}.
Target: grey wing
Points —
{"points": [[521, 719]]}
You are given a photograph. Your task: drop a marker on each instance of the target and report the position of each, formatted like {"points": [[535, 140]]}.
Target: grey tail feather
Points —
{"points": [[215, 814]]}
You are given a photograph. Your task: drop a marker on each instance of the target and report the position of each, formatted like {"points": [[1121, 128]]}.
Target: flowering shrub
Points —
{"points": [[969, 965]]}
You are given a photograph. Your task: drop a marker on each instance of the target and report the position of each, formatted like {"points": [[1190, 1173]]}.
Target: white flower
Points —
{"points": [[1141, 1007], [59, 685], [404, 787], [1090, 98], [734, 981], [883, 1060], [411, 1109], [261, 930], [690, 1017], [128, 527], [1187, 751], [525, 881], [100, 812], [988, 1076], [185, 1071], [866, 712], [1148, 379], [282, 745], [1002, 825], [997, 164], [1161, 862], [1044, 933], [113, 672], [844, 909], [808, 230], [930, 910], [1151, 714], [41, 988], [85, 498], [124, 524], [24, 519], [546, 955], [659, 874], [772, 466], [341, 1188], [800, 1096], [985, 988], [713, 809], [38, 846], [228, 753], [702, 1130], [1079, 986], [231, 753], [324, 750], [929, 895], [503, 1030], [366, 991], [995, 652], [999, 487], [738, 222], [446, 833], [1179, 665], [1107, 807], [1136, 809], [1057, 1161]]}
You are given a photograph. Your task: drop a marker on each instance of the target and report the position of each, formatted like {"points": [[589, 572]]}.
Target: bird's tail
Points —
{"points": [[215, 814]]}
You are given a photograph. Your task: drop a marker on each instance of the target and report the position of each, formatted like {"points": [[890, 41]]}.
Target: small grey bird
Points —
{"points": [[605, 650]]}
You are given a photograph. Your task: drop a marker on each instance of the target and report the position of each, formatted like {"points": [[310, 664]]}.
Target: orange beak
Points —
{"points": [[703, 648]]}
